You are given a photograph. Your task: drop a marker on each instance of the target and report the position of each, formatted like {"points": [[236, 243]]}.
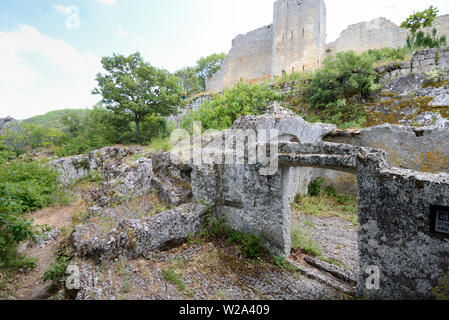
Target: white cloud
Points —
{"points": [[59, 76], [121, 32], [107, 2], [62, 9]]}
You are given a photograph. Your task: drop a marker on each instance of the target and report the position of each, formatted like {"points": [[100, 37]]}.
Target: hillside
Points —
{"points": [[53, 118]]}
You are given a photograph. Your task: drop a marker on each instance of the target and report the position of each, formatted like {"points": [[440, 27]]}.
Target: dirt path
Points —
{"points": [[30, 285], [336, 237]]}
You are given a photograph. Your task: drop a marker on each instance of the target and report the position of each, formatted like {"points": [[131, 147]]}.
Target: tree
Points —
{"points": [[208, 66], [189, 80], [420, 20], [135, 89]]}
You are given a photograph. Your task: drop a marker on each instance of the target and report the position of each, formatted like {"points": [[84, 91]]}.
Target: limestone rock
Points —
{"points": [[170, 179], [76, 168], [139, 237]]}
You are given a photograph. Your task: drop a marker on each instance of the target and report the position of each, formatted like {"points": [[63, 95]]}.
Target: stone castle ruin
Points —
{"points": [[296, 41]]}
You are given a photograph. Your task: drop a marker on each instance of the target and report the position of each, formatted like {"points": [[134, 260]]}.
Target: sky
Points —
{"points": [[50, 50]]}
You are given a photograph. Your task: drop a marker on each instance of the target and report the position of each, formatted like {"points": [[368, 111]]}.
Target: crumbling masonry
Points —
{"points": [[296, 41]]}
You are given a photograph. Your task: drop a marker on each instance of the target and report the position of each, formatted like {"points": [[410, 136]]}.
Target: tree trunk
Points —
{"points": [[138, 130]]}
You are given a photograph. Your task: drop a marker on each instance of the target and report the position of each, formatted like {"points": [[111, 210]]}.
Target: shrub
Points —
{"points": [[337, 91], [315, 187], [435, 75], [221, 112], [382, 56], [343, 76], [27, 137], [23, 187], [249, 244], [57, 272]]}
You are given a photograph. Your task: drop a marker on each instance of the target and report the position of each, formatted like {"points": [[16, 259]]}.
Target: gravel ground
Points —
{"points": [[336, 236], [208, 271]]}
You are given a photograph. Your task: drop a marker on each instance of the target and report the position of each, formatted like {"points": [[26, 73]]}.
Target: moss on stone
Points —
{"points": [[438, 84], [393, 114]]}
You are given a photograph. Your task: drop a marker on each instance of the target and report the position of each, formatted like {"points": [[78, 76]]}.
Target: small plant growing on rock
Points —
{"points": [[441, 291], [435, 75], [172, 277], [57, 272], [249, 244], [315, 187]]}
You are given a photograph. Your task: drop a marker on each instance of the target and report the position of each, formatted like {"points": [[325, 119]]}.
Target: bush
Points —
{"points": [[337, 91], [241, 100], [435, 75], [343, 76], [23, 187], [379, 56], [57, 272], [27, 137], [249, 244], [315, 187]]}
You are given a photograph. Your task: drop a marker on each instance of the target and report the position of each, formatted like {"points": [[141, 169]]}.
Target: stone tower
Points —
{"points": [[299, 36]]}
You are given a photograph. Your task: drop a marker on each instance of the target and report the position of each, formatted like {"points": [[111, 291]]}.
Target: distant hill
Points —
{"points": [[53, 118]]}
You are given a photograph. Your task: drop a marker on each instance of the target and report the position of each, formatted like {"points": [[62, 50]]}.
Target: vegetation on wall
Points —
{"points": [[417, 38], [221, 112], [337, 91]]}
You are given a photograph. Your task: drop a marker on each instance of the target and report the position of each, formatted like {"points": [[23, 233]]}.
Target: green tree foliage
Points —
{"points": [[337, 90], [418, 21], [134, 89], [189, 80], [221, 112], [27, 137], [208, 66]]}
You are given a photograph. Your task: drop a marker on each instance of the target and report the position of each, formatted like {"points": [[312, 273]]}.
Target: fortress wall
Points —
{"points": [[299, 28], [379, 33], [442, 25], [375, 34], [249, 60]]}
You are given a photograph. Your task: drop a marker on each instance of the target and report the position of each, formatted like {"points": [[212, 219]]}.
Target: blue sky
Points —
{"points": [[50, 50]]}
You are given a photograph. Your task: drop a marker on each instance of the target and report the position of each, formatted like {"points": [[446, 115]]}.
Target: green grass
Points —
{"points": [[161, 145], [170, 276], [328, 203], [302, 240], [249, 244]]}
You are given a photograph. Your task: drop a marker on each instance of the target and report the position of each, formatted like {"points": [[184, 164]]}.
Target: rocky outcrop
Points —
{"points": [[6, 123], [134, 180], [105, 161], [170, 179], [141, 237]]}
